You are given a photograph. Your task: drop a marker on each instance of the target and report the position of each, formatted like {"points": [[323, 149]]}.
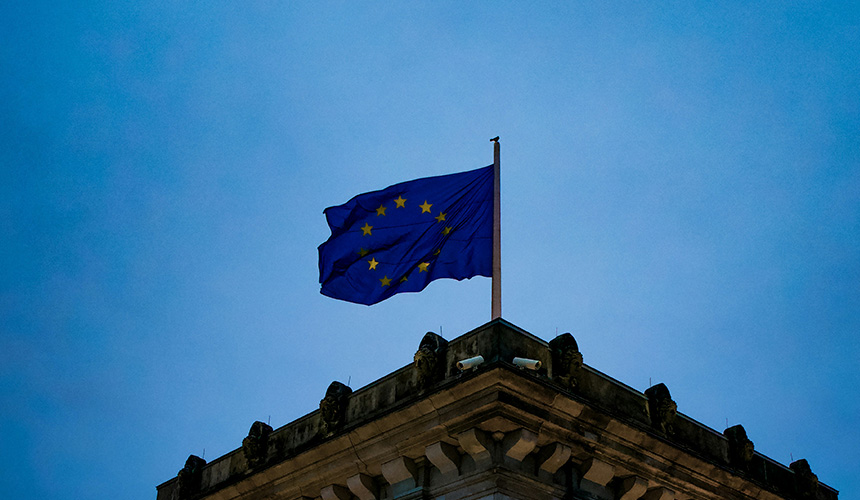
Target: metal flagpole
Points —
{"points": [[497, 234]]}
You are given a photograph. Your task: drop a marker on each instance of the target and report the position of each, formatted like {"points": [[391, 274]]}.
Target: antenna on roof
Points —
{"points": [[204, 453], [348, 380], [269, 422]]}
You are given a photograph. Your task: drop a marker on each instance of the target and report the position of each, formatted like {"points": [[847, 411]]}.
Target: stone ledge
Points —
{"points": [[595, 411]]}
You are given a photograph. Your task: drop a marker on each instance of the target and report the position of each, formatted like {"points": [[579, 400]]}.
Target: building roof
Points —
{"points": [[525, 420]]}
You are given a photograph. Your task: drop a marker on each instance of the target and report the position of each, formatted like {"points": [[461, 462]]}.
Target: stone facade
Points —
{"points": [[556, 429]]}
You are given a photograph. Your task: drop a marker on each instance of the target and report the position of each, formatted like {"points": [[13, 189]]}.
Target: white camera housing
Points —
{"points": [[530, 364], [465, 364]]}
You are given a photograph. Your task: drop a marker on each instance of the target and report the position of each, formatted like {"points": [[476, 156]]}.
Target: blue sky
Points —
{"points": [[680, 190]]}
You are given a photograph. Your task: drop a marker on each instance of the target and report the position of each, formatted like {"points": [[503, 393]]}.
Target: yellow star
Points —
{"points": [[425, 207], [385, 281], [401, 202], [362, 252], [441, 217], [422, 267], [446, 230], [367, 227], [403, 279], [438, 251], [380, 211], [372, 263]]}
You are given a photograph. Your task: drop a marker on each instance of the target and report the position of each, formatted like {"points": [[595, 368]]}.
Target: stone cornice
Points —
{"points": [[563, 427]]}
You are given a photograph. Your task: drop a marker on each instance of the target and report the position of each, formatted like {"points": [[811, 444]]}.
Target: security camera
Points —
{"points": [[469, 363], [531, 364]]}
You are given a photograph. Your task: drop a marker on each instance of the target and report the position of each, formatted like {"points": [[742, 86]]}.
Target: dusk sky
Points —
{"points": [[680, 191]]}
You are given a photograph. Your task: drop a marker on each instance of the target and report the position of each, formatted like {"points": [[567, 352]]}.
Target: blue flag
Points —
{"points": [[401, 238]]}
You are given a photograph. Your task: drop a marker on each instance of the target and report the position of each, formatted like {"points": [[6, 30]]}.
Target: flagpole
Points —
{"points": [[497, 233]]}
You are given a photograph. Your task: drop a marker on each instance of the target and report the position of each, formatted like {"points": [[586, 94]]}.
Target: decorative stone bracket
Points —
{"points": [[519, 444], [444, 456], [597, 472], [399, 470], [631, 488], [404, 472], [552, 457], [659, 494], [477, 444], [335, 492], [363, 486]]}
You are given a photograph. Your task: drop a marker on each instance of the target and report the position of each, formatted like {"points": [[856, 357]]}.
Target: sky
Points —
{"points": [[680, 191]]}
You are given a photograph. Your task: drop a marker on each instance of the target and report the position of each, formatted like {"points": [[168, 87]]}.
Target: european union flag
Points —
{"points": [[401, 238]]}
